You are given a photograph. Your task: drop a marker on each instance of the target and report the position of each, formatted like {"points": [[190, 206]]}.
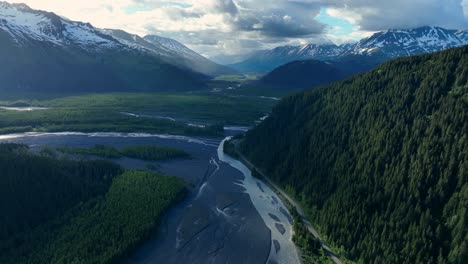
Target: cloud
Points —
{"points": [[240, 26], [381, 15]]}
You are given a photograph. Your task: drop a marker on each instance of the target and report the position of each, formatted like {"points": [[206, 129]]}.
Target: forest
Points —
{"points": [[64, 211], [379, 160], [95, 120]]}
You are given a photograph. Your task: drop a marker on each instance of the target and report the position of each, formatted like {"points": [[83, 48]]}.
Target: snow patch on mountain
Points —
{"points": [[23, 23], [397, 43]]}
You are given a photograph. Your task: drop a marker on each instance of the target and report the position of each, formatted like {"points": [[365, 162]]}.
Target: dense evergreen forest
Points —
{"points": [[35, 189], [63, 211], [380, 160]]}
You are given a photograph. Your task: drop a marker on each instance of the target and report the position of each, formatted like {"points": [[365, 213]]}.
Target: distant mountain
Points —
{"points": [[382, 46], [385, 153], [303, 75], [188, 57], [267, 60], [306, 74], [171, 51], [395, 43], [42, 51]]}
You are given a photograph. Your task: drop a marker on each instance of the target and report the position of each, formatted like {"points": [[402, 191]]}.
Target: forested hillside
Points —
{"points": [[35, 189], [65, 211], [380, 160]]}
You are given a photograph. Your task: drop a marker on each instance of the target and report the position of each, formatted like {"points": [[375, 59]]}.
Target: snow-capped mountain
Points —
{"points": [[42, 51], [170, 51], [267, 60], [397, 43], [188, 57], [382, 46], [23, 24], [172, 45]]}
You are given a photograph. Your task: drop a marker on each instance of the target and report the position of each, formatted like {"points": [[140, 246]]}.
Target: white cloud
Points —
{"points": [[381, 15], [240, 26]]}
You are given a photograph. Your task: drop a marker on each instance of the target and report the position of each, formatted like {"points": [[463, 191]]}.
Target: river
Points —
{"points": [[228, 217]]}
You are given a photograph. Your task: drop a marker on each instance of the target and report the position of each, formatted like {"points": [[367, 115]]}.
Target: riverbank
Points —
{"points": [[272, 210], [290, 200], [218, 219], [73, 211]]}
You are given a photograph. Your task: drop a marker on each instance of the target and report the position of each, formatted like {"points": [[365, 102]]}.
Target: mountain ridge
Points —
{"points": [[379, 160], [79, 57], [384, 44]]}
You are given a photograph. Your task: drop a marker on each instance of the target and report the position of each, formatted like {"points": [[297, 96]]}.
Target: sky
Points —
{"points": [[229, 29]]}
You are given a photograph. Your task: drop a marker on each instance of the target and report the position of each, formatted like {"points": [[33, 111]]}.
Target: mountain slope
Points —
{"points": [[382, 46], [307, 74], [380, 159], [43, 52], [302, 75], [395, 43], [170, 51], [267, 60], [190, 58]]}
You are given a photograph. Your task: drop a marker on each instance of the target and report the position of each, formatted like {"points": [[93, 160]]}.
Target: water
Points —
{"points": [[228, 217]]}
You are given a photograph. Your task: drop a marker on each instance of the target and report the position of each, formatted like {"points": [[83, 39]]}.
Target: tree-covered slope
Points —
{"points": [[55, 210], [302, 75], [380, 159], [306, 74], [35, 189]]}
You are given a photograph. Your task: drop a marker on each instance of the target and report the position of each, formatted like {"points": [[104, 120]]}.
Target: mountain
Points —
{"points": [[267, 60], [43, 52], [170, 51], [306, 74], [380, 160], [190, 58], [303, 74], [383, 46], [395, 43]]}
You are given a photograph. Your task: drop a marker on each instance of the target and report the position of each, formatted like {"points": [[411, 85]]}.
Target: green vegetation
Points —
{"points": [[310, 248], [230, 149], [150, 153], [59, 211], [36, 189], [105, 113], [380, 160], [103, 151], [153, 152], [82, 120], [198, 107]]}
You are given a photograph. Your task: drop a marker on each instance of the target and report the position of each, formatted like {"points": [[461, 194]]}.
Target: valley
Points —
{"points": [[253, 132], [224, 205]]}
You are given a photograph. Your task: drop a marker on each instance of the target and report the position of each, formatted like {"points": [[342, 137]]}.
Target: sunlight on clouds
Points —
{"points": [[240, 26]]}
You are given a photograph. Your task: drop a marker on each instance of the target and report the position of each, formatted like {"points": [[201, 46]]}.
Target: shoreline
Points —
{"points": [[283, 195], [272, 210]]}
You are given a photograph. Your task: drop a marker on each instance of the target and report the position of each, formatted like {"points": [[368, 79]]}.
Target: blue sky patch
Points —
{"points": [[336, 26]]}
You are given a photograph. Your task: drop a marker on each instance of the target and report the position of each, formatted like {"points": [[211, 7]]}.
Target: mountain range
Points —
{"points": [[381, 46], [42, 51]]}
